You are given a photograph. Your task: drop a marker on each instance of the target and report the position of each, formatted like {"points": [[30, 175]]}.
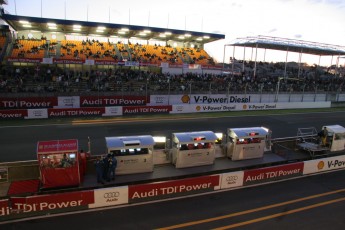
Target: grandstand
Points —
{"points": [[287, 45], [46, 55]]}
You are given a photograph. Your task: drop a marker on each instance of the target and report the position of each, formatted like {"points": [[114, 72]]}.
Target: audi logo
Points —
{"points": [[231, 178], [111, 195]]}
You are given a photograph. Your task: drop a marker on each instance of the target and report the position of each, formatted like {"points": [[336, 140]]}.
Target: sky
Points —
{"points": [[319, 21]]}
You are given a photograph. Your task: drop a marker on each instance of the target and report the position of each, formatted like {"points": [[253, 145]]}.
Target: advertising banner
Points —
{"points": [[159, 100], [256, 176], [68, 102], [29, 60], [232, 180], [53, 202], [28, 103], [324, 164], [110, 196], [4, 208], [76, 112], [105, 62], [154, 191], [94, 101], [57, 146], [13, 114], [252, 101], [135, 110], [209, 99], [47, 61], [89, 62], [113, 111], [67, 61], [37, 114], [204, 108], [131, 63]]}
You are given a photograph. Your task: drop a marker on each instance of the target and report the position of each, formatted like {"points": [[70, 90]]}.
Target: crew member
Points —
{"points": [[112, 167], [99, 165], [324, 136]]}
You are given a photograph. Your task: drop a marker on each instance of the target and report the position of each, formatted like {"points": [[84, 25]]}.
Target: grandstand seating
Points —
{"points": [[73, 49], [95, 50], [27, 48]]}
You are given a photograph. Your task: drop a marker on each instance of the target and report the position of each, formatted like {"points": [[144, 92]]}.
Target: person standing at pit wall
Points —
{"points": [[99, 165], [112, 167]]}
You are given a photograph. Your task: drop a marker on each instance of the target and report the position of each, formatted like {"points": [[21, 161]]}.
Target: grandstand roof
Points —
{"points": [[292, 45], [109, 29]]}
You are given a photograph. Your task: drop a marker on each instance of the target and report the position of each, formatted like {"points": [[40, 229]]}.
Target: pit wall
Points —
{"points": [[27, 206]]}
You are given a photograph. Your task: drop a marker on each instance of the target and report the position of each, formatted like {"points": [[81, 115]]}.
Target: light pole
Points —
{"points": [[147, 82], [190, 91], [303, 92], [277, 90], [168, 91], [261, 88], [229, 84]]}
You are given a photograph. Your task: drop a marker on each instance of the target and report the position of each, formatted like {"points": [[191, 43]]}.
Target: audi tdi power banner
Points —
{"points": [[161, 190], [53, 203], [262, 175]]}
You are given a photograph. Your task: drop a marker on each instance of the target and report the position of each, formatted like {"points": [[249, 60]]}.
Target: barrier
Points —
{"points": [[21, 207]]}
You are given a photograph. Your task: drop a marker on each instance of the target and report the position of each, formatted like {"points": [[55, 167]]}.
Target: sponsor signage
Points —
{"points": [[131, 63], [13, 114], [72, 200], [68, 102], [113, 111], [164, 64], [231, 180], [89, 101], [67, 61], [47, 60], [207, 99], [218, 99], [57, 146], [110, 196], [76, 112], [324, 164], [256, 176], [37, 114], [130, 110], [89, 62], [4, 208], [159, 190], [105, 62], [159, 100], [29, 60], [215, 108], [28, 103]]}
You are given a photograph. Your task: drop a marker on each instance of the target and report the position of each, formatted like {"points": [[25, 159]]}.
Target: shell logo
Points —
{"points": [[244, 106], [320, 165], [198, 108], [185, 99]]}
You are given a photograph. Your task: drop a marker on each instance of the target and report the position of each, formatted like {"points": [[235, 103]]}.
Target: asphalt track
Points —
{"points": [[316, 202], [18, 143]]}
